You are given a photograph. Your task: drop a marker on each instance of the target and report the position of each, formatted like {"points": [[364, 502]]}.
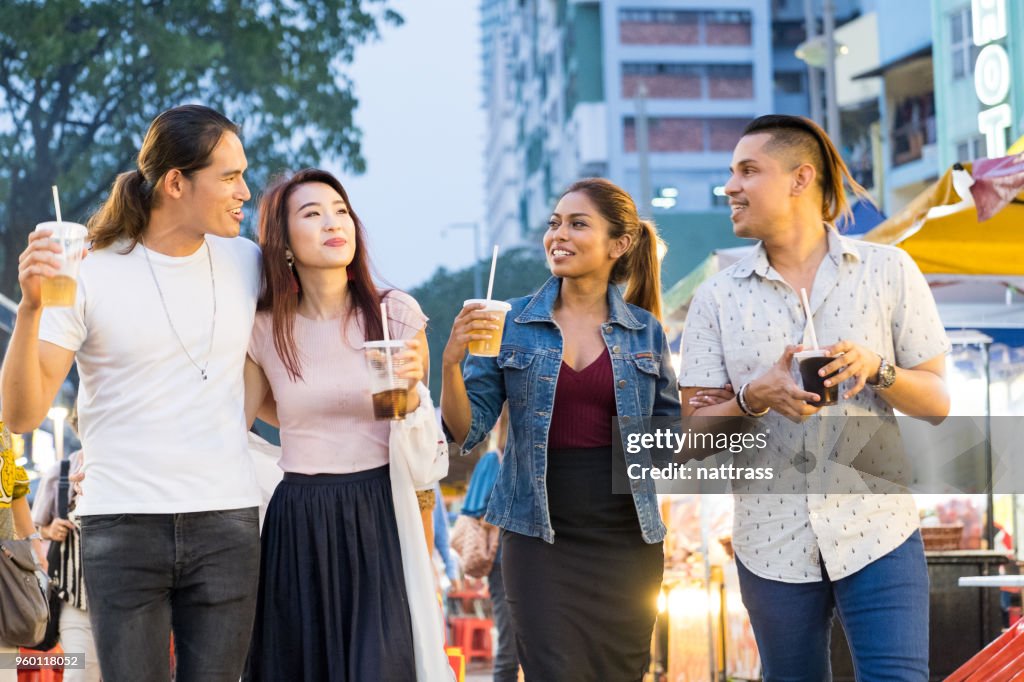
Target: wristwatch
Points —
{"points": [[886, 376]]}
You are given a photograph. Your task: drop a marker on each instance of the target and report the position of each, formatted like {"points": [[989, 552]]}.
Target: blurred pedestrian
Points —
{"points": [[15, 519], [75, 628], [478, 494]]}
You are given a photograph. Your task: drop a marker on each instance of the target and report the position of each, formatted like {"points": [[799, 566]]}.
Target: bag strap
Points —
{"points": [[64, 489]]}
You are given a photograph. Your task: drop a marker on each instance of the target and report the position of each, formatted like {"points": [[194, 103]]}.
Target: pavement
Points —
{"points": [[478, 673]]}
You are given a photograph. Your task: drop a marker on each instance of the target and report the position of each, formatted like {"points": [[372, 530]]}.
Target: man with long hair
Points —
{"points": [[165, 305], [804, 554]]}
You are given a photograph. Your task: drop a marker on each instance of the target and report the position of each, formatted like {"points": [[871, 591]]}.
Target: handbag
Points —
{"points": [[25, 611], [476, 545]]}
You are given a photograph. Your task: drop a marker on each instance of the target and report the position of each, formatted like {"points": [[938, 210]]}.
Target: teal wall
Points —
{"points": [[691, 237], [584, 55]]}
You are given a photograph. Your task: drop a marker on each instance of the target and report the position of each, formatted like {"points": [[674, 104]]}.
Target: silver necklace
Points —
{"points": [[213, 323]]}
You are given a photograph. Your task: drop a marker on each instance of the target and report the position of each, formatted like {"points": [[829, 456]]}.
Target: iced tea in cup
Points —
{"points": [[488, 348], [59, 290], [390, 393], [810, 362]]}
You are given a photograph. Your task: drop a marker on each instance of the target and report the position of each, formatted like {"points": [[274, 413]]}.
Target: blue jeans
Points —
{"points": [[883, 608], [149, 574], [506, 662]]}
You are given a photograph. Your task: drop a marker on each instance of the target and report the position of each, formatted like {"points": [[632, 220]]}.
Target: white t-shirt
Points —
{"points": [[157, 438]]}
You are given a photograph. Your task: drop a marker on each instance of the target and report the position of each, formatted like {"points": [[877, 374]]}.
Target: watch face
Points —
{"points": [[887, 376]]}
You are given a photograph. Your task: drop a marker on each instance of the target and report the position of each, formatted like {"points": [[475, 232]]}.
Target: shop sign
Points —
{"points": [[992, 73]]}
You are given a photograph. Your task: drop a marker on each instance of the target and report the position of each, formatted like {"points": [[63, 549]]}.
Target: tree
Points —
{"points": [[80, 82], [521, 271]]}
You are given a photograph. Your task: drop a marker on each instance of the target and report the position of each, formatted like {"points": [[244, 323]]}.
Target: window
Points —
{"points": [[689, 81], [684, 27], [962, 50], [789, 82], [649, 16], [970, 149]]}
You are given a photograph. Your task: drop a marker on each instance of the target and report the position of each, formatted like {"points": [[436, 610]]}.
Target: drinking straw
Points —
{"points": [[387, 340], [490, 282], [56, 203], [810, 318]]}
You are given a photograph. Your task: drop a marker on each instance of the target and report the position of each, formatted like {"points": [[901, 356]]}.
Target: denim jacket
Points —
{"points": [[525, 373]]}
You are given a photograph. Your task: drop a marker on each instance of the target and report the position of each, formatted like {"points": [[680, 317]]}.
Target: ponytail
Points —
{"points": [[125, 212], [183, 139], [643, 270]]}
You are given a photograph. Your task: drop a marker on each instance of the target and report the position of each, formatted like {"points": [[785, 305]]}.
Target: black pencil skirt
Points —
{"points": [[332, 604], [583, 608]]}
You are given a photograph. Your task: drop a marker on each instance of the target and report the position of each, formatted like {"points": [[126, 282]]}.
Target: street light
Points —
{"points": [[58, 414], [478, 289]]}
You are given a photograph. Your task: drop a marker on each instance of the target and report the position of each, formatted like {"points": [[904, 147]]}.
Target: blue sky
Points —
{"points": [[423, 134]]}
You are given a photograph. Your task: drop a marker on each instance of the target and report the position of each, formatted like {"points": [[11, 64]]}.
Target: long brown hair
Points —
{"points": [[280, 294], [181, 138], [639, 267], [813, 144]]}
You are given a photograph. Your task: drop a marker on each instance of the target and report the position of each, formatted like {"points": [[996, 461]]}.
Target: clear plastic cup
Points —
{"points": [[809, 362], [488, 348], [390, 393], [60, 290]]}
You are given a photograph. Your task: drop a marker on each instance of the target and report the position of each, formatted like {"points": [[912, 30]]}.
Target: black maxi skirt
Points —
{"points": [[583, 608], [332, 605]]}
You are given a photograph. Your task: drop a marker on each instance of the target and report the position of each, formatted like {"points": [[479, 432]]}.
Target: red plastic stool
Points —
{"points": [[42, 674], [473, 636]]}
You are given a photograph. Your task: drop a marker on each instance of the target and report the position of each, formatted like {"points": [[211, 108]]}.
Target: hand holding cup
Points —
{"points": [[48, 268], [851, 361], [40, 260], [777, 390], [473, 324]]}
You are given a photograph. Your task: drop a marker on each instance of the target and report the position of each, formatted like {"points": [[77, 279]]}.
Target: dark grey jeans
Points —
{"points": [[506, 662], [149, 574]]}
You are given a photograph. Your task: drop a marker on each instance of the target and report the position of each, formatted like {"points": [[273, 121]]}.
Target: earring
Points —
{"points": [[289, 258]]}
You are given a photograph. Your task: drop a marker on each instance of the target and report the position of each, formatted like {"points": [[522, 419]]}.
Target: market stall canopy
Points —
{"points": [[946, 233]]}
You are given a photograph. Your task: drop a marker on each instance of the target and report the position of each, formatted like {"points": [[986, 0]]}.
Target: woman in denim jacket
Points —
{"points": [[582, 565]]}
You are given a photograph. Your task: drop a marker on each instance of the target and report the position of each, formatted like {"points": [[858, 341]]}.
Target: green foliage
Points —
{"points": [[81, 80], [520, 272]]}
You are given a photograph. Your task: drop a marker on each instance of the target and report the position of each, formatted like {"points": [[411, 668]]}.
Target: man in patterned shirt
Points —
{"points": [[805, 553]]}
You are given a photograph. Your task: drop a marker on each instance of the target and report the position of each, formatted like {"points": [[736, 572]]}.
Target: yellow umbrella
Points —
{"points": [[1017, 147], [956, 243]]}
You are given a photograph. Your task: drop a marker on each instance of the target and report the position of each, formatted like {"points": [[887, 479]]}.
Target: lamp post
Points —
{"points": [[58, 414], [478, 289], [819, 52]]}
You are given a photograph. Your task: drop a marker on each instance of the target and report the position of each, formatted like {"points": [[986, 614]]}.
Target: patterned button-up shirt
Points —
{"points": [[823, 502]]}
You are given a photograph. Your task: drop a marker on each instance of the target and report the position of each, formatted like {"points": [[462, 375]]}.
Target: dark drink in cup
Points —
{"points": [[390, 404], [390, 392], [810, 362]]}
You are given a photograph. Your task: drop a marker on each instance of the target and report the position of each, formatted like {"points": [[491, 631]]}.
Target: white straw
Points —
{"points": [[490, 282], [56, 203], [810, 318], [387, 340]]}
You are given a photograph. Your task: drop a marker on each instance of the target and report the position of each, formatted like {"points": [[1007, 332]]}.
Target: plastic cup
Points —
{"points": [[488, 348], [59, 290], [809, 362], [390, 393]]}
